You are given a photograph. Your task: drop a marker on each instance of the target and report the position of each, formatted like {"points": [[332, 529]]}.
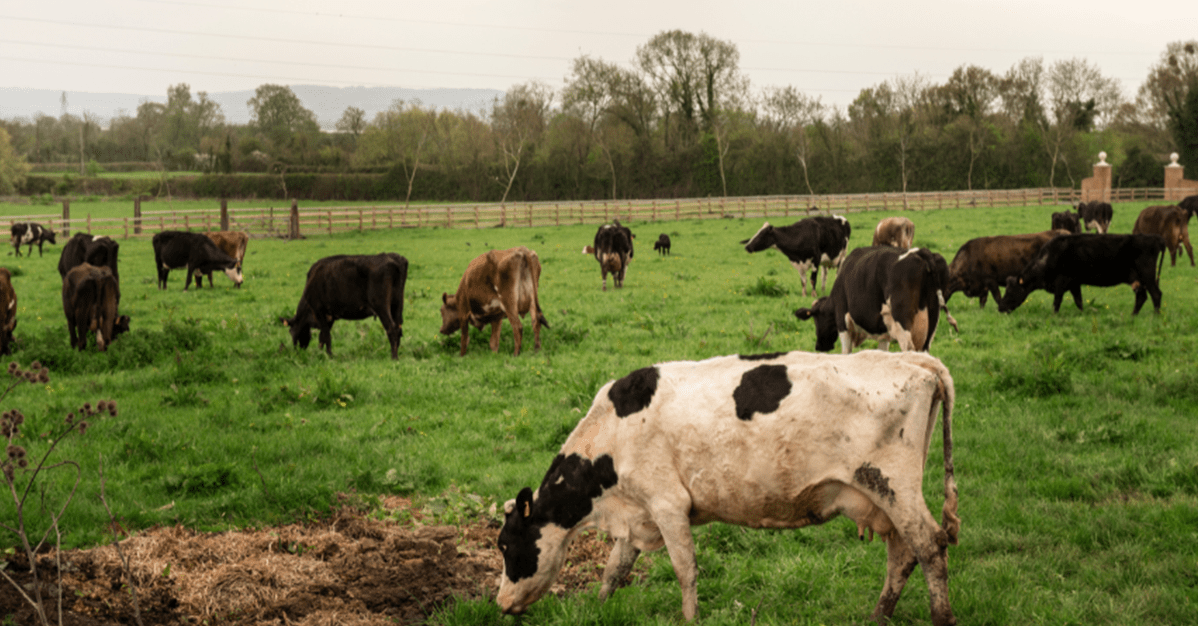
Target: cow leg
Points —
{"points": [[1189, 249], [619, 563], [1076, 290], [495, 336], [326, 338], [680, 544], [900, 562], [985, 294]]}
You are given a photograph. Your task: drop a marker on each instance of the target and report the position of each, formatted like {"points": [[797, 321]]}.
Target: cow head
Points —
{"points": [[763, 239], [824, 314], [234, 274], [48, 235], [533, 551], [1017, 292], [301, 329], [451, 322], [537, 528]]}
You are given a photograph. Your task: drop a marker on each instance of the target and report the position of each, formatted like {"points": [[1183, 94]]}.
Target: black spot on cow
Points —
{"points": [[761, 357], [634, 392], [565, 497], [761, 390], [871, 477]]}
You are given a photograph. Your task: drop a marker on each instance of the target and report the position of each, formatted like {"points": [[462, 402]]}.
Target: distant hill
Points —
{"points": [[327, 102]]}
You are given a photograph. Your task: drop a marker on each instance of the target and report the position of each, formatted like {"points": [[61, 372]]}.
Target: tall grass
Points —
{"points": [[1074, 433]]}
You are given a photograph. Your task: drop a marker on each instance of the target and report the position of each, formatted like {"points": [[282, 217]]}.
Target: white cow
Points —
{"points": [[768, 441]]}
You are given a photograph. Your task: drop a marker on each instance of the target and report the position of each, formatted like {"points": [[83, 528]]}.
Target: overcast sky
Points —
{"points": [[826, 49]]}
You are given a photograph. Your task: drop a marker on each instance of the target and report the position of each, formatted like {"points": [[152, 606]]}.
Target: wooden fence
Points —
{"points": [[291, 221]]}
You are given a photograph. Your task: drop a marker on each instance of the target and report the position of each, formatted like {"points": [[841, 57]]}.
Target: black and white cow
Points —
{"points": [[196, 252], [30, 233], [662, 246], [351, 287], [885, 293], [812, 243], [1095, 215], [766, 441], [1068, 221], [613, 249], [1067, 262]]}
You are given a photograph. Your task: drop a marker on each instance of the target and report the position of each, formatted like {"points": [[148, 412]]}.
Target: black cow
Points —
{"points": [[98, 251], [89, 300], [883, 292], [1067, 262], [8, 310], [663, 244], [176, 248], [31, 233], [351, 287], [1095, 215], [613, 249], [814, 242], [1067, 220], [1190, 205]]}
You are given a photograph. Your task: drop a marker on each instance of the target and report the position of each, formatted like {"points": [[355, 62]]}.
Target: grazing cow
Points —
{"points": [[812, 243], [176, 248], [351, 287], [613, 250], [1171, 222], [780, 440], [499, 284], [100, 251], [89, 300], [663, 244], [8, 310], [895, 231], [1067, 262], [232, 243], [1068, 221], [1095, 216], [31, 233], [885, 293], [983, 264]]}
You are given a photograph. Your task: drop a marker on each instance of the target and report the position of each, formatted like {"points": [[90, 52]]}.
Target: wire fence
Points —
{"points": [[296, 221]]}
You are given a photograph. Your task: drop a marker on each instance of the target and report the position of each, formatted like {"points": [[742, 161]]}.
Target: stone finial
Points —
{"points": [[1173, 160], [1102, 160]]}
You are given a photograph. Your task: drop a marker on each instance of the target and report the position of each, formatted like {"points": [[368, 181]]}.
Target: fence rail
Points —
{"points": [[278, 221]]}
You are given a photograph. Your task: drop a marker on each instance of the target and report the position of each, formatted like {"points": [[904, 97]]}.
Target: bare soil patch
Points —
{"points": [[347, 569]]}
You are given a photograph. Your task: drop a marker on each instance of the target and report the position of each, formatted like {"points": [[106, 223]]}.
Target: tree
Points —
{"points": [[518, 122], [399, 136], [597, 94], [353, 121], [278, 114], [791, 113], [12, 166], [966, 100], [1169, 81], [692, 75]]}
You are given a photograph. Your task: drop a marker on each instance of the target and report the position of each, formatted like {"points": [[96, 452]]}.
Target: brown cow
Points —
{"points": [[1171, 223], [8, 310], [498, 284], [89, 300], [984, 263], [232, 243], [894, 231]]}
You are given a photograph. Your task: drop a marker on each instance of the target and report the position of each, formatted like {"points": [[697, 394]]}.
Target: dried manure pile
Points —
{"points": [[348, 569]]}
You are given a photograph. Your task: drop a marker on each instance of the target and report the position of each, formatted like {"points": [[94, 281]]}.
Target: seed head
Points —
{"points": [[37, 365], [13, 367], [43, 376]]}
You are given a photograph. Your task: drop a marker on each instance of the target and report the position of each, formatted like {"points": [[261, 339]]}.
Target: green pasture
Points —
{"points": [[1074, 434]]}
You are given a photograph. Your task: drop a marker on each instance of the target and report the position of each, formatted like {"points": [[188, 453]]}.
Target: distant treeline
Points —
{"points": [[680, 121]]}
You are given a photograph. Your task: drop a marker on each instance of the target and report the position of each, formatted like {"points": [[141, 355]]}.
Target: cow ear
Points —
{"points": [[444, 298], [286, 322], [509, 506], [804, 314], [524, 502]]}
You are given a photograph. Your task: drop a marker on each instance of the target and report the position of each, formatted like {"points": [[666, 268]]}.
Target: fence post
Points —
{"points": [[330, 218], [126, 228], [224, 214], [359, 220], [137, 215], [293, 224], [89, 222], [66, 218]]}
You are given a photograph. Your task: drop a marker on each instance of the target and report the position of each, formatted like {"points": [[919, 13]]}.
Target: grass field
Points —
{"points": [[1074, 433]]}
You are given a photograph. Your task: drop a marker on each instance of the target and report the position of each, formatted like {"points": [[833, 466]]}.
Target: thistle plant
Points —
{"points": [[21, 475]]}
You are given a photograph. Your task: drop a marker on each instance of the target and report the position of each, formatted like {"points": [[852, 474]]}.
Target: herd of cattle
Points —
{"points": [[669, 446]]}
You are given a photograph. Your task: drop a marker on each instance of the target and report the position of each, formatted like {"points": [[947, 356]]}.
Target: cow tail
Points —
{"points": [[950, 521], [1160, 263]]}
